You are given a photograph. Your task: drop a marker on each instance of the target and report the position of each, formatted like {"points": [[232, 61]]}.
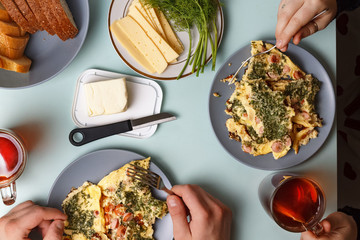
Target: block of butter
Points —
{"points": [[106, 97]]}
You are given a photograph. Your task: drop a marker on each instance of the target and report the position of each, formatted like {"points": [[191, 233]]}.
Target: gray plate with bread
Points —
{"points": [[39, 39]]}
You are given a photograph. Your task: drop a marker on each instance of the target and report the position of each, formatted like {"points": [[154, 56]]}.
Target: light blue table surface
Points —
{"points": [[186, 149]]}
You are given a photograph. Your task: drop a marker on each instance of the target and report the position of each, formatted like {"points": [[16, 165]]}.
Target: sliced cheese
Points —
{"points": [[150, 14], [171, 36], [130, 47], [156, 21], [142, 42], [151, 19], [166, 50], [106, 97], [145, 13]]}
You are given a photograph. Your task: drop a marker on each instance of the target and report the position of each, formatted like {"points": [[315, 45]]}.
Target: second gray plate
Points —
{"points": [[325, 107]]}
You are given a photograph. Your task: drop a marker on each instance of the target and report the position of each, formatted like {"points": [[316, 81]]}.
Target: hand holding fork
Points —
{"points": [[246, 61], [209, 218]]}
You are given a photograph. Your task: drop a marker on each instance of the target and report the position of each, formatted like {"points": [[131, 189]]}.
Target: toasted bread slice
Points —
{"points": [[40, 16], [14, 42], [63, 15], [4, 15], [11, 53], [21, 65], [46, 8], [28, 14], [11, 29], [17, 16]]}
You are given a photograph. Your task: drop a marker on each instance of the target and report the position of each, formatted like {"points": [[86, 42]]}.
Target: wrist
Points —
{"points": [[354, 218]]}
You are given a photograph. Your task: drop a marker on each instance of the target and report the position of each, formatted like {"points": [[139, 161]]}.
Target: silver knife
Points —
{"points": [[81, 136]]}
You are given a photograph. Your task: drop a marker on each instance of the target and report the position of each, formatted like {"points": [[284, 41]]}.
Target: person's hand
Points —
{"points": [[18, 223], [337, 226], [210, 219], [294, 19]]}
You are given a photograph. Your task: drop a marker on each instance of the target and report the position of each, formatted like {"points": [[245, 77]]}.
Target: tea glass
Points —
{"points": [[8, 177], [296, 203]]}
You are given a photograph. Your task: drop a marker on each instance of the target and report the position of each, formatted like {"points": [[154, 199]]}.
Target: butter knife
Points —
{"points": [[81, 136]]}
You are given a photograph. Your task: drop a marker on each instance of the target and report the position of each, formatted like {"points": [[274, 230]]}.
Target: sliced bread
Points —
{"points": [[11, 52], [11, 29], [27, 13], [17, 16], [35, 7], [21, 65], [14, 42], [4, 15], [63, 14], [46, 8]]}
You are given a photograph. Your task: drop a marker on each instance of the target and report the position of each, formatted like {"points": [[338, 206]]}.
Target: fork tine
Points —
{"points": [[142, 180], [147, 171], [146, 176], [143, 169]]}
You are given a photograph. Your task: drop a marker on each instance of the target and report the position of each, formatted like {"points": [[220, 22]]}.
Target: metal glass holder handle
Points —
{"points": [[8, 193], [317, 229]]}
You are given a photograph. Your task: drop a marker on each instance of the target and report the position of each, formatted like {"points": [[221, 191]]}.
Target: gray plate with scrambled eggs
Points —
{"points": [[93, 167], [221, 91]]}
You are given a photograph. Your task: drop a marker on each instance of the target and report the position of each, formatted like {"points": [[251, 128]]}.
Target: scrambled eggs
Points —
{"points": [[118, 207]]}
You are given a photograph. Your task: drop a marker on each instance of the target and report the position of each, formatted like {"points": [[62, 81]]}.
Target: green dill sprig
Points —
{"points": [[188, 13]]}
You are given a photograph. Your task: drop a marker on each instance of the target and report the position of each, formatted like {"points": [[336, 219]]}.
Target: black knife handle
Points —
{"points": [[93, 133]]}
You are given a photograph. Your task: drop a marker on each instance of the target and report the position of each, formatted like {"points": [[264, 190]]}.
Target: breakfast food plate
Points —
{"points": [[93, 167], [144, 99], [49, 54], [325, 107], [120, 8]]}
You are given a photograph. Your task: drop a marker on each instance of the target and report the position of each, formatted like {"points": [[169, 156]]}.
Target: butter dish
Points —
{"points": [[144, 99]]}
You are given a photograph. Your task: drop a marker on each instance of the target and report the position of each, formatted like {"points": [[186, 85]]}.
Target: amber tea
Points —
{"points": [[295, 203]]}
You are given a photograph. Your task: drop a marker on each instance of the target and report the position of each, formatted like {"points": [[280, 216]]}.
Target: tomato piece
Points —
{"points": [[119, 210], [109, 208], [121, 231]]}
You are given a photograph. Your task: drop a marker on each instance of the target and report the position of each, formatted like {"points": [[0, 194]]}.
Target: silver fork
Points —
{"points": [[244, 62], [147, 177]]}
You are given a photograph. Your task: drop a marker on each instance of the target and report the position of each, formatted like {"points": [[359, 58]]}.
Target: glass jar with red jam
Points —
{"points": [[13, 158]]}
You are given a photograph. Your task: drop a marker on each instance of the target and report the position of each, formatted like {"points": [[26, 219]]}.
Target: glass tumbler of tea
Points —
{"points": [[296, 203], [13, 158]]}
